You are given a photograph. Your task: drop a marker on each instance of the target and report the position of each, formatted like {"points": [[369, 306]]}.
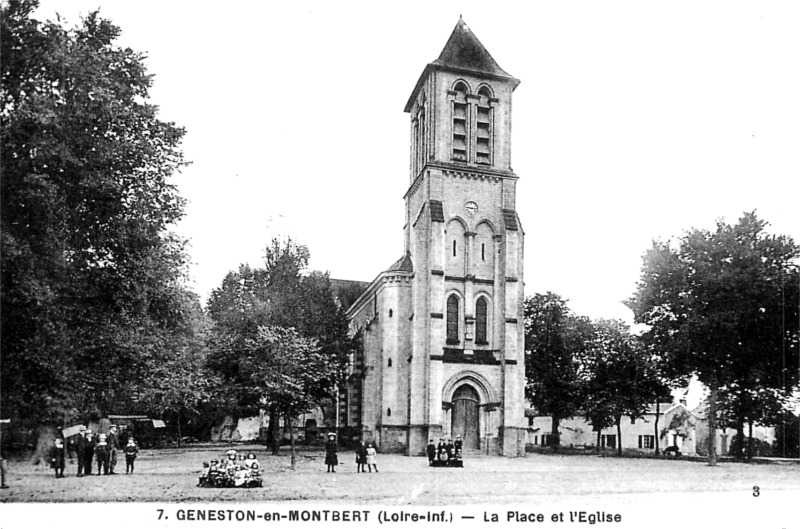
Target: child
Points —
{"points": [[255, 470], [371, 461], [102, 454], [214, 475], [131, 451], [331, 457], [361, 457], [203, 481], [240, 476], [57, 457]]}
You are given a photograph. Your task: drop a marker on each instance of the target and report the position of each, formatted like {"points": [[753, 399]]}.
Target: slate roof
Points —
{"points": [[510, 219], [403, 264], [464, 50]]}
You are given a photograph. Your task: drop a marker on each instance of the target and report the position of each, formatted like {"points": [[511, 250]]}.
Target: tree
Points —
{"points": [[617, 377], [179, 385], [554, 340], [723, 306], [280, 296], [91, 275]]}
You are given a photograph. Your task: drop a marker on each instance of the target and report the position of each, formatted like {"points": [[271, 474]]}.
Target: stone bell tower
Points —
{"points": [[464, 238], [443, 346]]}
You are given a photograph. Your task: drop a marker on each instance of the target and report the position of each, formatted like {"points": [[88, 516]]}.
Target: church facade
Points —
{"points": [[441, 330]]}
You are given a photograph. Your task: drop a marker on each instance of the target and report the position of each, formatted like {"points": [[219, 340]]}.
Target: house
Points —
{"points": [[676, 427]]}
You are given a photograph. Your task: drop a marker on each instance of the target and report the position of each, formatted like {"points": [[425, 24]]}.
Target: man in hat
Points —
{"points": [[84, 452], [331, 458], [113, 445]]}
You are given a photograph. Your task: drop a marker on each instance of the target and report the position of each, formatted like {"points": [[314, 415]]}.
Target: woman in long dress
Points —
{"points": [[331, 458]]}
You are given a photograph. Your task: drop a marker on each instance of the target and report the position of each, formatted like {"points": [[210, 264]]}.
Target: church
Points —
{"points": [[441, 329]]}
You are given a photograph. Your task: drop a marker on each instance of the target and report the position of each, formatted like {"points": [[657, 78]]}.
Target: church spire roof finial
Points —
{"points": [[463, 50]]}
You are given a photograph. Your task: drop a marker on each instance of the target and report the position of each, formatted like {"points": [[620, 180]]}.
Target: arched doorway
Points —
{"points": [[465, 417]]}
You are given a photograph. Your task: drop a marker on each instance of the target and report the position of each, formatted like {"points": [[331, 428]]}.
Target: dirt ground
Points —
{"points": [[171, 475]]}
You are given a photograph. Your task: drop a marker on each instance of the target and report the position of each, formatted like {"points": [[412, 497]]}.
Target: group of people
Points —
{"points": [[234, 470], [366, 455], [87, 447], [446, 454]]}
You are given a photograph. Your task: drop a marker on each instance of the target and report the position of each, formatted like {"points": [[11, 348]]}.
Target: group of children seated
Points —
{"points": [[446, 453], [235, 470]]}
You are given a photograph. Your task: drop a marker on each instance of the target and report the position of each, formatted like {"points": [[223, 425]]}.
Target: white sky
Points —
{"points": [[634, 121]]}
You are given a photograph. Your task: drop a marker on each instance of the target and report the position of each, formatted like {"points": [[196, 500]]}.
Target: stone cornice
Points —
{"points": [[459, 170]]}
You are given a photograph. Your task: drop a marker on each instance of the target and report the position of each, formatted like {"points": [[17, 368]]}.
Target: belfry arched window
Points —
{"points": [[484, 124], [452, 319], [460, 122], [481, 320]]}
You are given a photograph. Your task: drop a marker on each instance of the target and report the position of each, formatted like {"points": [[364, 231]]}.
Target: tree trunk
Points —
{"points": [[274, 432], [179, 429], [554, 437], [739, 453], [750, 440], [598, 440], [658, 412], [712, 425], [291, 442], [619, 436]]}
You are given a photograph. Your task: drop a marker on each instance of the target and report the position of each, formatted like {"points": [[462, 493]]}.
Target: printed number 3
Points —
{"points": [[756, 492]]}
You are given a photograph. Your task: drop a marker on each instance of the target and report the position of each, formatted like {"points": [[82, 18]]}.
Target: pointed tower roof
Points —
{"points": [[463, 53]]}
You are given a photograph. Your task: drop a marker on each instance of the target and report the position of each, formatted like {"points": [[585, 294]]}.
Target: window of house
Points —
{"points": [[608, 441], [647, 441], [480, 321], [452, 319], [460, 123], [454, 247], [388, 412], [483, 251], [390, 362]]}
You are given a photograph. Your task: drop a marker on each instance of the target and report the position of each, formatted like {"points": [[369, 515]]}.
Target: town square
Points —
{"points": [[354, 264]]}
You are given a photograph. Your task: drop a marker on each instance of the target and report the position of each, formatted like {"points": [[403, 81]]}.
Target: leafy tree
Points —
{"points": [[554, 341], [179, 385], [91, 276], [284, 370], [723, 306], [617, 377], [280, 296]]}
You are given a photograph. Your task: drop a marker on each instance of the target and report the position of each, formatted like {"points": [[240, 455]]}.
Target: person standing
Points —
{"points": [[102, 454], [131, 451], [58, 457], [371, 457], [361, 457], [331, 457], [112, 439], [441, 452], [88, 452], [431, 451]]}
